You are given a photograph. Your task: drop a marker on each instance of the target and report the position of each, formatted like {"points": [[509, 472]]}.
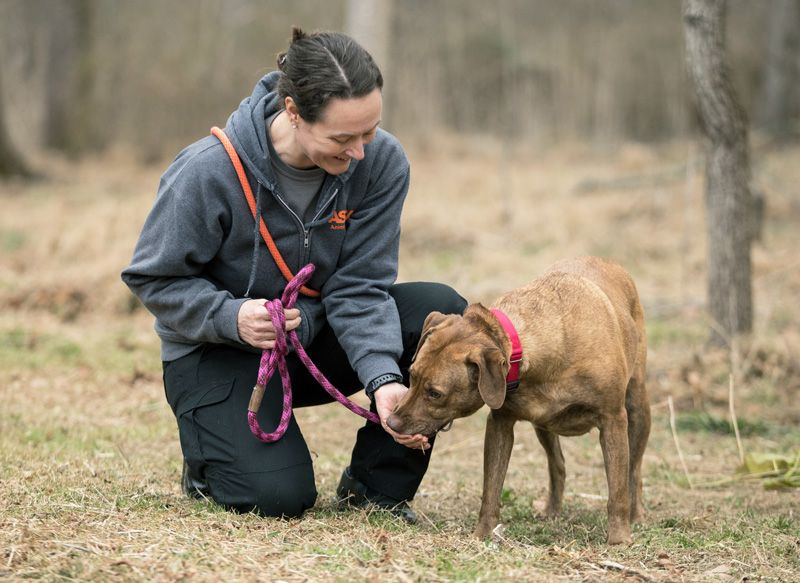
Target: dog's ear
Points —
{"points": [[492, 369], [431, 322]]}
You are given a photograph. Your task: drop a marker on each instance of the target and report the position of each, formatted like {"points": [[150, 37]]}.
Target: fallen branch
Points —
{"points": [[613, 565], [631, 181], [778, 471]]}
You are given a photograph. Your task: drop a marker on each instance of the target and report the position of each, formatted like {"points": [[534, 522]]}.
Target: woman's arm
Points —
{"points": [[356, 297], [165, 272]]}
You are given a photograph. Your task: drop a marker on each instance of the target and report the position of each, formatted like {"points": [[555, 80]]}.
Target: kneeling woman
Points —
{"points": [[330, 185]]}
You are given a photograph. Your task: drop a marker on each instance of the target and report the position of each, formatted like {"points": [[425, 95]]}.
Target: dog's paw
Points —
{"points": [[484, 530], [546, 509], [620, 536], [637, 515], [495, 535]]}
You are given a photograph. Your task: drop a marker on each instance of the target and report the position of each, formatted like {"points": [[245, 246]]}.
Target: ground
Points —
{"points": [[89, 456]]}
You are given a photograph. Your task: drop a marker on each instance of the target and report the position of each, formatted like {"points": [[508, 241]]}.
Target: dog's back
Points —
{"points": [[571, 310], [610, 277]]}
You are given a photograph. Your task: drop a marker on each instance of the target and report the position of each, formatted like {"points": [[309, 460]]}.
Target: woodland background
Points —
{"points": [[85, 75]]}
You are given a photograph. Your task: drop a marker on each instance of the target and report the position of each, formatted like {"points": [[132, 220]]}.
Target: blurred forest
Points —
{"points": [[153, 75]]}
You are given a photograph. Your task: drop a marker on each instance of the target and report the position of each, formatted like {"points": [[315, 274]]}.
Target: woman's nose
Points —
{"points": [[356, 151]]}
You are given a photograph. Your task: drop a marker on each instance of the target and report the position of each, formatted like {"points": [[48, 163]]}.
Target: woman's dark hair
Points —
{"points": [[323, 65]]}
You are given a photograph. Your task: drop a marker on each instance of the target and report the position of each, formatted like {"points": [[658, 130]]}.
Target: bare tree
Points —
{"points": [[728, 197], [369, 22], [11, 163], [779, 88], [68, 124]]}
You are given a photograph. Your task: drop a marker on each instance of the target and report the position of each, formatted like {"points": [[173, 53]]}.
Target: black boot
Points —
{"points": [[354, 493], [192, 486]]}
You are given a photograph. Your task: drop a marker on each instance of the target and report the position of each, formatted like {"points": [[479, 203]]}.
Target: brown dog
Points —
{"points": [[583, 366]]}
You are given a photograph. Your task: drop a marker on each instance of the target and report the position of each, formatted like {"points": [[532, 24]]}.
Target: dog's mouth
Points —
{"points": [[446, 426], [428, 427]]}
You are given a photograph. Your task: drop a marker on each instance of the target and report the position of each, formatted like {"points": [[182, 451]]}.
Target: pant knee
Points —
{"points": [[285, 502], [285, 493], [416, 300], [443, 298]]}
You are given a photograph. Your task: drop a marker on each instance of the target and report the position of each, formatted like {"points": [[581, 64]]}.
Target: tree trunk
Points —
{"points": [[779, 88], [728, 199], [369, 23], [11, 163], [68, 125]]}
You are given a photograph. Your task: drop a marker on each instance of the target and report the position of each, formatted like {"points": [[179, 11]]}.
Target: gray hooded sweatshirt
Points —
{"points": [[200, 252]]}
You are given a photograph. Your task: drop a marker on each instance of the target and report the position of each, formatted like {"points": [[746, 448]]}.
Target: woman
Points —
{"points": [[330, 185]]}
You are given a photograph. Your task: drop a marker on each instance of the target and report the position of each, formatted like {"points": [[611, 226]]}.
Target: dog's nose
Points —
{"points": [[395, 423]]}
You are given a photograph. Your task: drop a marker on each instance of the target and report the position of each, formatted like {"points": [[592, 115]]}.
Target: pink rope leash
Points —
{"points": [[270, 359]]}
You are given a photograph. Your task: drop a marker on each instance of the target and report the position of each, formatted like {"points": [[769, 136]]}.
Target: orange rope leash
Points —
{"points": [[251, 202]]}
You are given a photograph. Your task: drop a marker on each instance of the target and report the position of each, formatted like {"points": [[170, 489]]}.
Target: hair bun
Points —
{"points": [[324, 65], [298, 34]]}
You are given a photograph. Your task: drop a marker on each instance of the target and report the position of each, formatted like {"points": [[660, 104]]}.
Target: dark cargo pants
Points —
{"points": [[209, 389]]}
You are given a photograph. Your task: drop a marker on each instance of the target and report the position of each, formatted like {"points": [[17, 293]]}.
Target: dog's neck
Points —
{"points": [[542, 354], [489, 326]]}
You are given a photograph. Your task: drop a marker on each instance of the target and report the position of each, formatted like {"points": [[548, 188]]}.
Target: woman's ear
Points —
{"points": [[291, 109]]}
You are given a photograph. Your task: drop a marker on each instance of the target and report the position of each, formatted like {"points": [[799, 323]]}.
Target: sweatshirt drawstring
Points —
{"points": [[251, 202], [256, 241]]}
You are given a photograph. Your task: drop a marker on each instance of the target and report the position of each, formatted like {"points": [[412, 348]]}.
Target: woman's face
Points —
{"points": [[340, 133]]}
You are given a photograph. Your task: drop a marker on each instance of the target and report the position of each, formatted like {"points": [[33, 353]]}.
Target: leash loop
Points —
{"points": [[276, 358]]}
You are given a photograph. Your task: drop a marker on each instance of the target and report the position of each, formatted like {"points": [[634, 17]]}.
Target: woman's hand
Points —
{"points": [[255, 324], [387, 398]]}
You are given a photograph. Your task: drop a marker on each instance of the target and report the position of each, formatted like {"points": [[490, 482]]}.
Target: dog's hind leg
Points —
{"points": [[497, 447], [638, 407], [555, 467], [614, 443]]}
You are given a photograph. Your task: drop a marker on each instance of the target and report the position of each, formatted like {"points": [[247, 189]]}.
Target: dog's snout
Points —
{"points": [[395, 423]]}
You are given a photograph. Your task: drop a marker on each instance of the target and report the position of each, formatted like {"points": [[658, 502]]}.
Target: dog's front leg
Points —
{"points": [[614, 442], [496, 452]]}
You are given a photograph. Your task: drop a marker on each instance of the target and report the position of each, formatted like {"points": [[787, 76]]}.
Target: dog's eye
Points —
{"points": [[434, 394]]}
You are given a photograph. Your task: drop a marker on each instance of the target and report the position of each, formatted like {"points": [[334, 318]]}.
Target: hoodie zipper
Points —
{"points": [[307, 254], [306, 232], [327, 202], [296, 218]]}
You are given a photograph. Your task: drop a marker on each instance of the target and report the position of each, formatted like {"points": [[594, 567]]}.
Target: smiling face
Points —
{"points": [[340, 134]]}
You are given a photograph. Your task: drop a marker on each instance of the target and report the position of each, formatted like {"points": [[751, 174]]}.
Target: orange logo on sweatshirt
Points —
{"points": [[338, 219]]}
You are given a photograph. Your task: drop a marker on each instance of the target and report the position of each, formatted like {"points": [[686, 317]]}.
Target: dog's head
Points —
{"points": [[461, 363]]}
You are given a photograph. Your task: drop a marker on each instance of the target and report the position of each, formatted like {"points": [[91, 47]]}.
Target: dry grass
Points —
{"points": [[89, 459]]}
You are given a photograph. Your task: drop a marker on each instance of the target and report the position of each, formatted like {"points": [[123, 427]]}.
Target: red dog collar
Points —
{"points": [[512, 380]]}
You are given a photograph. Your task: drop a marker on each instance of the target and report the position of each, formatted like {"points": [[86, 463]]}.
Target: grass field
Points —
{"points": [[89, 456]]}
